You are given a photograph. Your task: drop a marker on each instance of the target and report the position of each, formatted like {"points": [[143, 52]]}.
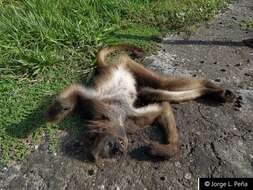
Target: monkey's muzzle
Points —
{"points": [[110, 141]]}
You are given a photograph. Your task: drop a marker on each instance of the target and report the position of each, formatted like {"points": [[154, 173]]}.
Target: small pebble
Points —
{"points": [[238, 64], [187, 176], [177, 164], [101, 187]]}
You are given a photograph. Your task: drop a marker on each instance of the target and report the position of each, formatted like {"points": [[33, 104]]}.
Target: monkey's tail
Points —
{"points": [[104, 52]]}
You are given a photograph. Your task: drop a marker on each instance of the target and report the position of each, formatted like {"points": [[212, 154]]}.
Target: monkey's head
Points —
{"points": [[59, 109], [111, 139]]}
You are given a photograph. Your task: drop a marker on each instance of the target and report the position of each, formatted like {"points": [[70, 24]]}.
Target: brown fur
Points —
{"points": [[109, 105]]}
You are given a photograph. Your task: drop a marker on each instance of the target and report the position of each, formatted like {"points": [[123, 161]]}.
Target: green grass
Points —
{"points": [[249, 24], [47, 44]]}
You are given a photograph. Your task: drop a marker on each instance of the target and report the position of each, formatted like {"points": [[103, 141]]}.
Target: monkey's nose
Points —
{"points": [[118, 150]]}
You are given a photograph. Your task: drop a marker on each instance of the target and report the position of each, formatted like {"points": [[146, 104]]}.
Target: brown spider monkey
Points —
{"points": [[109, 106]]}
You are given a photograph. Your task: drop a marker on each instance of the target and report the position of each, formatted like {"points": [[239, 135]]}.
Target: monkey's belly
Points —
{"points": [[120, 85]]}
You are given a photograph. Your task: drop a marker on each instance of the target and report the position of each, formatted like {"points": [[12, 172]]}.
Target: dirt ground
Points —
{"points": [[216, 139]]}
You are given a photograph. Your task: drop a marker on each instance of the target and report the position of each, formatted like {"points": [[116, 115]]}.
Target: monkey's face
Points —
{"points": [[110, 145], [59, 109], [111, 139]]}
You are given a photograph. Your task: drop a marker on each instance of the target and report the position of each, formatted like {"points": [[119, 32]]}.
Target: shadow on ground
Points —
{"points": [[30, 123], [243, 42]]}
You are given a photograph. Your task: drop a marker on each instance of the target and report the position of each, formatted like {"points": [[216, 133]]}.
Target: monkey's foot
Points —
{"points": [[228, 96], [164, 151]]}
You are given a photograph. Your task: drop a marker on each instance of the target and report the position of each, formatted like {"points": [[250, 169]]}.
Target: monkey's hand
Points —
{"points": [[165, 151]]}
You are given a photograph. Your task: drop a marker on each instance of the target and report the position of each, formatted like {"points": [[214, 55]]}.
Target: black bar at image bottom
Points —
{"points": [[225, 183]]}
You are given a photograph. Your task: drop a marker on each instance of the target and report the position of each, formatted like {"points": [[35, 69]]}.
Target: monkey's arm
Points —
{"points": [[163, 113], [171, 148], [143, 117], [74, 98]]}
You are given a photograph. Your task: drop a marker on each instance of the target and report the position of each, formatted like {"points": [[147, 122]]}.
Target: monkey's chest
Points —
{"points": [[121, 85]]}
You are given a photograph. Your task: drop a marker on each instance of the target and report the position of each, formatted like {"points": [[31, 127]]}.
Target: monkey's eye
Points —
{"points": [[66, 108], [110, 144]]}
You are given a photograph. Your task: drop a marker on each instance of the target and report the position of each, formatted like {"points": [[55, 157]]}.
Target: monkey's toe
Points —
{"points": [[238, 103]]}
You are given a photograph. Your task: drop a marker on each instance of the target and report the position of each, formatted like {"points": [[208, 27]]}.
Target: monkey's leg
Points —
{"points": [[188, 89], [171, 148], [148, 78], [143, 76], [185, 88], [157, 95]]}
